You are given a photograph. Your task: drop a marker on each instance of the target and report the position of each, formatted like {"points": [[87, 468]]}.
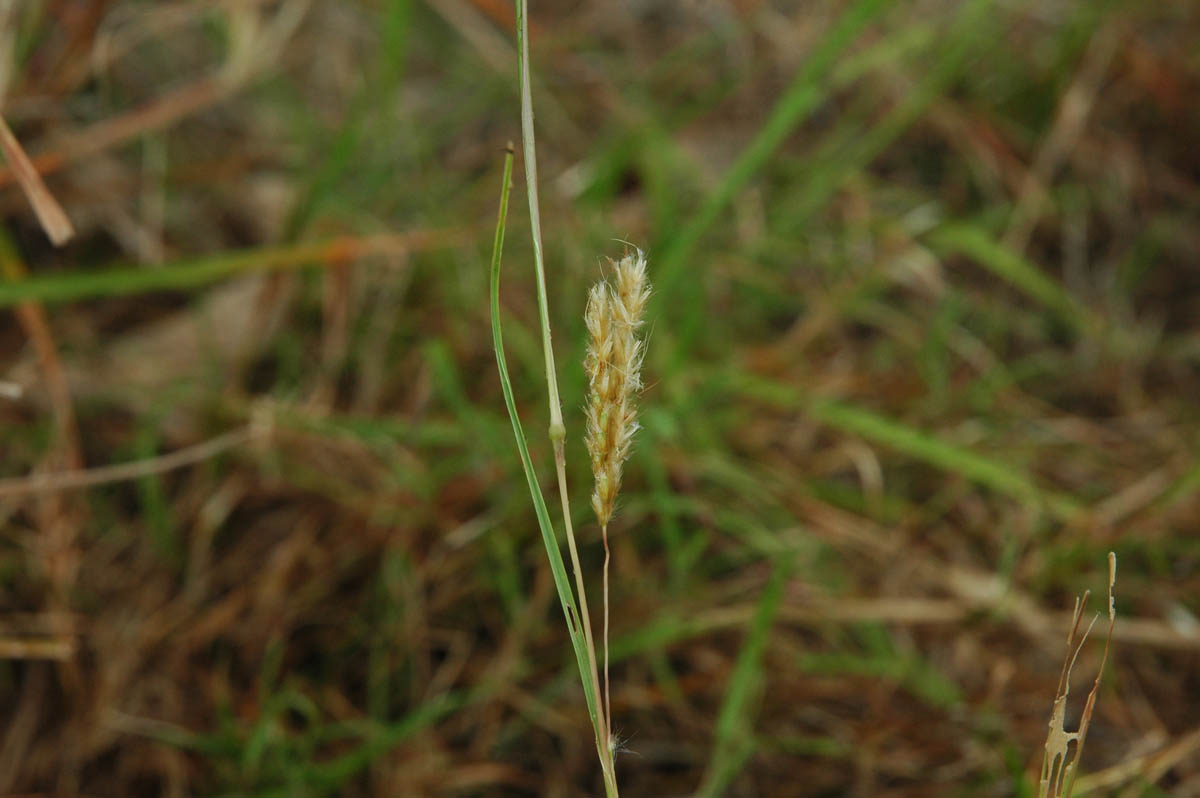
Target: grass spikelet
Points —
{"points": [[614, 370], [614, 363]]}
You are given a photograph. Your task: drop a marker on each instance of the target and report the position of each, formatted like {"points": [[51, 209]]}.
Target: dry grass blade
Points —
{"points": [[51, 649], [49, 213], [104, 475], [1149, 767], [1059, 768]]}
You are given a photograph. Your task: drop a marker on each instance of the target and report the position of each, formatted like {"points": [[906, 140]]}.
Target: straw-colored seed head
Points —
{"points": [[614, 364]]}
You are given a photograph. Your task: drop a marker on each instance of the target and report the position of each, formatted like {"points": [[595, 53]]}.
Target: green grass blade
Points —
{"points": [[330, 776], [195, 273], [557, 567], [977, 245], [807, 91], [1002, 477], [834, 167], [339, 154], [734, 734]]}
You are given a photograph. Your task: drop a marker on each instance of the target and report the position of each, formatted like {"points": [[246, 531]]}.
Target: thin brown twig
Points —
{"points": [[49, 213], [121, 472], [155, 115], [60, 650], [1151, 767], [162, 112]]}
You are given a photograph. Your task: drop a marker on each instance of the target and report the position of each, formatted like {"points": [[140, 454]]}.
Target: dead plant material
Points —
{"points": [[51, 215], [1060, 768]]}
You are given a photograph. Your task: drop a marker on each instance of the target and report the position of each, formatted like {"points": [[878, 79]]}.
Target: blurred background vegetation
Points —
{"points": [[923, 350]]}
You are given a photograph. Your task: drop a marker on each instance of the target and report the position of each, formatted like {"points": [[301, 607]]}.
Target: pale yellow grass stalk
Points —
{"points": [[614, 364]]}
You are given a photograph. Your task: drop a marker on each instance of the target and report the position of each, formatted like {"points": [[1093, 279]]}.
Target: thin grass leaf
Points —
{"points": [[835, 166], [734, 742], [1002, 477], [333, 775], [805, 94], [557, 567], [198, 272], [557, 430], [977, 245]]}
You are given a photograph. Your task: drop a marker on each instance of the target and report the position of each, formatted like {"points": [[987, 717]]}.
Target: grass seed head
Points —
{"points": [[614, 364]]}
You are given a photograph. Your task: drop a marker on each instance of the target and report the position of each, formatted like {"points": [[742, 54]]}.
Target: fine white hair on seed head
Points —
{"points": [[615, 312]]}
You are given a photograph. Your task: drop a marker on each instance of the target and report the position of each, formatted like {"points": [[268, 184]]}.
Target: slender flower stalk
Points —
{"points": [[614, 371], [573, 609], [578, 617]]}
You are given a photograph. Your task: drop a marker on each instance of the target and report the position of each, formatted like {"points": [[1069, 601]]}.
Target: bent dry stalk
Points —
{"points": [[1059, 768]]}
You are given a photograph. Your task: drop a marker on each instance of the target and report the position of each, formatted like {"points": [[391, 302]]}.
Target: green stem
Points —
{"points": [[584, 652], [558, 430]]}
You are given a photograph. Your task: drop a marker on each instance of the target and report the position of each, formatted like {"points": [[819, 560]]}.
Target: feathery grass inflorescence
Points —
{"points": [[614, 371], [614, 364]]}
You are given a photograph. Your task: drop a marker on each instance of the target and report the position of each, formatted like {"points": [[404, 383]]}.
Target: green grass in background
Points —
{"points": [[863, 399]]}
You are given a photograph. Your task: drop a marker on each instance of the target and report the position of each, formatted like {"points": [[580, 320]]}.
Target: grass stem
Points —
{"points": [[557, 431]]}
